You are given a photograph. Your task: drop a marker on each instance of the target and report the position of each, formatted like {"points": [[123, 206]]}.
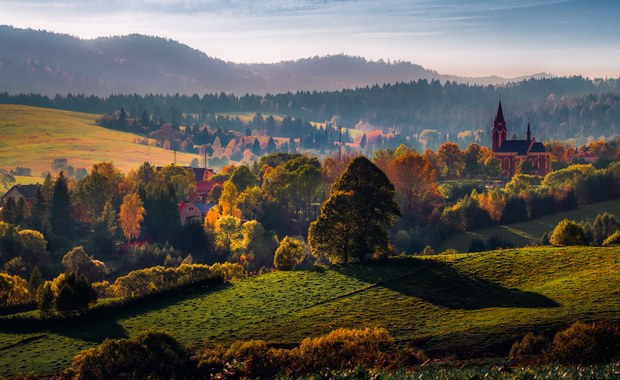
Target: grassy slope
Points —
{"points": [[526, 233], [33, 137], [465, 302]]}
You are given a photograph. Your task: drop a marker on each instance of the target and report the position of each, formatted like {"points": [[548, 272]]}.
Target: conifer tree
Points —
{"points": [[60, 207]]}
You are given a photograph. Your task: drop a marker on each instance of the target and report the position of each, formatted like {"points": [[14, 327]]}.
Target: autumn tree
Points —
{"points": [[228, 200], [290, 252], [414, 180], [131, 215], [472, 157], [354, 220], [567, 232], [452, 158]]}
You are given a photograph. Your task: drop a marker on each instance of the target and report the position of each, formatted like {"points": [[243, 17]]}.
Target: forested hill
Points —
{"points": [[558, 108], [50, 63]]}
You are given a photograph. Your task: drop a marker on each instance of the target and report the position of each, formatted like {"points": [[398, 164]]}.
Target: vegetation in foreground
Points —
{"points": [[359, 351], [462, 305]]}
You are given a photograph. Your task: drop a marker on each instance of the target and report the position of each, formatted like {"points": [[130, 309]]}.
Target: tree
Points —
{"points": [[74, 294], [250, 202], [271, 145], [354, 220], [472, 159], [568, 232], [78, 261], [291, 252], [6, 179], [256, 148], [104, 229], [452, 158], [363, 141], [60, 208], [414, 180], [45, 298], [9, 211], [243, 178], [228, 200], [492, 167], [131, 215], [92, 193]]}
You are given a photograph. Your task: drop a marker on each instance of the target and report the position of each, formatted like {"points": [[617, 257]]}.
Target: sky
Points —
{"points": [[509, 38]]}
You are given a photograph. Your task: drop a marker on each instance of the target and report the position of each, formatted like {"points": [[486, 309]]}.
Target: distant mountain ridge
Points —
{"points": [[50, 63]]}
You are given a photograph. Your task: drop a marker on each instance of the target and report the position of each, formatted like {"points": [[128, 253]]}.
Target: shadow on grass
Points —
{"points": [[98, 325], [442, 285]]}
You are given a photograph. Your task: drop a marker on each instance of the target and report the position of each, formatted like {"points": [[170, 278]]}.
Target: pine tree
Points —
{"points": [[60, 207]]}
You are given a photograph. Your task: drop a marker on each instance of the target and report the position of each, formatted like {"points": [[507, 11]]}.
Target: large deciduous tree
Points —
{"points": [[353, 221], [131, 215]]}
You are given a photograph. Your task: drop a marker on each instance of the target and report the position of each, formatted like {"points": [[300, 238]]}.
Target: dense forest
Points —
{"points": [[558, 109]]}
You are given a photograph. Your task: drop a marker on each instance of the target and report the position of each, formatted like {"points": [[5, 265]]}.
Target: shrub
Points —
{"points": [[450, 251], [152, 354], [613, 239], [254, 359], [568, 232], [74, 294], [290, 253], [584, 343], [13, 291], [530, 346], [428, 251], [342, 349]]}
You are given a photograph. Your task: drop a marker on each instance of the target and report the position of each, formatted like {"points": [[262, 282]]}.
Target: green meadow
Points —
{"points": [[530, 232], [463, 305], [33, 137]]}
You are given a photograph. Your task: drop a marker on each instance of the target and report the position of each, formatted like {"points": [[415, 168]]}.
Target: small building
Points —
{"points": [[28, 192], [511, 154], [189, 212]]}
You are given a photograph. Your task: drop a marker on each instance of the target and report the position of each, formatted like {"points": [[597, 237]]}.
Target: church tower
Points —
{"points": [[499, 129]]}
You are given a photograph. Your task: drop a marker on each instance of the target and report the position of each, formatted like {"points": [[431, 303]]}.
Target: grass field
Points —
{"points": [[459, 303], [527, 233], [33, 137]]}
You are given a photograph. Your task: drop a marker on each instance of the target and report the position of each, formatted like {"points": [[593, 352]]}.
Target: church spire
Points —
{"points": [[500, 113], [529, 133]]}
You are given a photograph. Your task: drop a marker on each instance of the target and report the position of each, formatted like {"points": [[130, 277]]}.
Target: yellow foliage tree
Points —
{"points": [[228, 200], [212, 216], [131, 215]]}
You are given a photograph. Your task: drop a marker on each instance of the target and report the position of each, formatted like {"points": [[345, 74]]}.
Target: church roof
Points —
{"points": [[521, 147]]}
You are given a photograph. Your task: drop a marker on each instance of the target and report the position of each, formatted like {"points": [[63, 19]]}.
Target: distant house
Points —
{"points": [[203, 183], [28, 192], [189, 212], [512, 153], [584, 156]]}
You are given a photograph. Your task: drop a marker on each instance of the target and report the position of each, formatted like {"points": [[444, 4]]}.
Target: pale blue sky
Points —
{"points": [[474, 38]]}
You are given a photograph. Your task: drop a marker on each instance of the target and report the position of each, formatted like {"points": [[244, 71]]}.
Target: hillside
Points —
{"points": [[50, 63], [33, 137], [466, 305], [530, 232]]}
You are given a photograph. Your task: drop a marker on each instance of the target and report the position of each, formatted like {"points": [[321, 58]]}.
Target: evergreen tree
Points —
{"points": [[256, 148], [60, 207], [9, 211], [354, 220], [271, 145]]}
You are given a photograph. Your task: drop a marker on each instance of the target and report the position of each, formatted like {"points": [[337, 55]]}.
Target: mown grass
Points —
{"points": [[530, 232], [462, 304], [33, 137]]}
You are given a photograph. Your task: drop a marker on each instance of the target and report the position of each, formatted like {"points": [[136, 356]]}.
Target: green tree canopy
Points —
{"points": [[354, 220]]}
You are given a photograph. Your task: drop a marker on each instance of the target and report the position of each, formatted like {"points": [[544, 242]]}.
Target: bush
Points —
{"points": [[584, 343], [254, 359], [613, 239], [341, 349], [152, 354], [529, 347], [568, 232], [73, 294], [290, 253], [428, 251]]}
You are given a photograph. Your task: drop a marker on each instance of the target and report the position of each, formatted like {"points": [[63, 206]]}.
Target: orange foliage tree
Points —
{"points": [[131, 215], [414, 180]]}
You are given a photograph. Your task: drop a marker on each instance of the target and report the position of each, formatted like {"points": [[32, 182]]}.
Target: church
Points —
{"points": [[511, 154]]}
